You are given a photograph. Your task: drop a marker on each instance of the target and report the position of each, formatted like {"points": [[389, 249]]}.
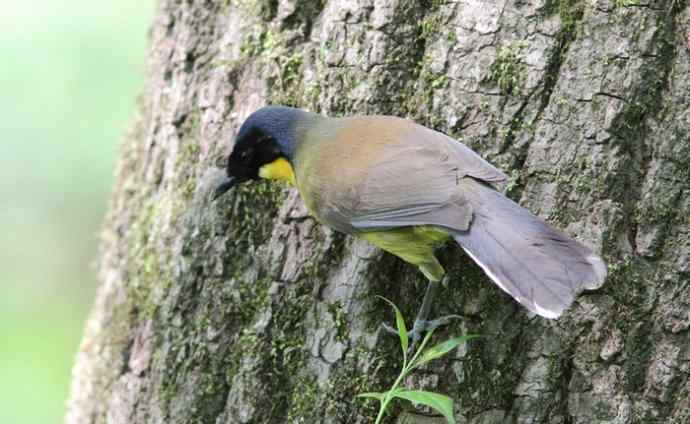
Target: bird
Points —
{"points": [[407, 189]]}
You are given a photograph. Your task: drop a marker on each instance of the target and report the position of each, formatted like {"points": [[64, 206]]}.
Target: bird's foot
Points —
{"points": [[419, 328]]}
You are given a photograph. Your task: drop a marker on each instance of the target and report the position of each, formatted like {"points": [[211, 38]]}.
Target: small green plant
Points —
{"points": [[441, 403]]}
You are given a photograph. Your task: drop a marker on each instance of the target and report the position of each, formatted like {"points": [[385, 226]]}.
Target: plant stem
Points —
{"points": [[388, 396]]}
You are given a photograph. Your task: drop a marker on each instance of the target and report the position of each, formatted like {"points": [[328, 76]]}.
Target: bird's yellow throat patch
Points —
{"points": [[279, 169]]}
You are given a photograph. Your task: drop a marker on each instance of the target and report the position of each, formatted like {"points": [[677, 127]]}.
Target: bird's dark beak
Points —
{"points": [[224, 186]]}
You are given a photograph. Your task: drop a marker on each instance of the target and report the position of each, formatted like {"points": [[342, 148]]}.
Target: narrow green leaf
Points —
{"points": [[402, 330], [440, 403], [375, 395], [443, 348]]}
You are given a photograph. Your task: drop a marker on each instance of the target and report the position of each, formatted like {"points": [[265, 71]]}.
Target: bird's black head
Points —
{"points": [[267, 135], [253, 149]]}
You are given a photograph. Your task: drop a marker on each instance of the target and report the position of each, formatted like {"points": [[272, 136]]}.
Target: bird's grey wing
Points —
{"points": [[472, 164], [412, 187], [414, 181]]}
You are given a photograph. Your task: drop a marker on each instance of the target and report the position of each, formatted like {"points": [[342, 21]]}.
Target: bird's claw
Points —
{"points": [[390, 330], [419, 328]]}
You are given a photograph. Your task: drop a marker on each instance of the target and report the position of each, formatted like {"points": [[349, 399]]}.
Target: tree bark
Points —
{"points": [[248, 311]]}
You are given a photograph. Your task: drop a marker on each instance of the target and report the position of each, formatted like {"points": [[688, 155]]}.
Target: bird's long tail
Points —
{"points": [[539, 266]]}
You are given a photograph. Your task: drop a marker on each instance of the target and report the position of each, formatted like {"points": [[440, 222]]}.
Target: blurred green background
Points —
{"points": [[70, 74]]}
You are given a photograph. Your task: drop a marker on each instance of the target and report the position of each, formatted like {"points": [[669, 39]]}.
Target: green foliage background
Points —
{"points": [[68, 84]]}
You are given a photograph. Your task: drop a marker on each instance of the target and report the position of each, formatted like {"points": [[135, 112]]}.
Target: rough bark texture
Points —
{"points": [[247, 311]]}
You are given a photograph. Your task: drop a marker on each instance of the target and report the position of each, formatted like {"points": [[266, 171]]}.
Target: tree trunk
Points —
{"points": [[248, 311]]}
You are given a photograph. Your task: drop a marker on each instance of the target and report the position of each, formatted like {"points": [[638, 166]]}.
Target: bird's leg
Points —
{"points": [[421, 323]]}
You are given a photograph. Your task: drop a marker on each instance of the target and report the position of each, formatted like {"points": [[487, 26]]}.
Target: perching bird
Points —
{"points": [[406, 189]]}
